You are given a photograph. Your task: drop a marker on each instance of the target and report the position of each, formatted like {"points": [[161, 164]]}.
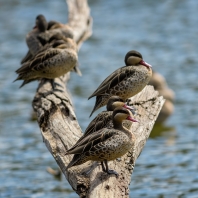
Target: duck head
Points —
{"points": [[41, 23], [119, 115], [116, 101], [135, 58]]}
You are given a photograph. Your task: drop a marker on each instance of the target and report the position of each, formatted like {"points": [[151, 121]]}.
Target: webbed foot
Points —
{"points": [[110, 172]]}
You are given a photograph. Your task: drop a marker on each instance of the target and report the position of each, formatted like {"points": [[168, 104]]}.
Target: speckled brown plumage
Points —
{"points": [[124, 82], [54, 28], [54, 60], [41, 35], [105, 144], [104, 119]]}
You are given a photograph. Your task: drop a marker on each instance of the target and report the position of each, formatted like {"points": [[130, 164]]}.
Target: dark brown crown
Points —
{"points": [[132, 53], [112, 100]]}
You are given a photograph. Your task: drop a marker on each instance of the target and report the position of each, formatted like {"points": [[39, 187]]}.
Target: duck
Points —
{"points": [[33, 42], [159, 83], [106, 144], [42, 33], [124, 82], [166, 111], [54, 60], [54, 28], [63, 29], [67, 31], [104, 119], [41, 37]]}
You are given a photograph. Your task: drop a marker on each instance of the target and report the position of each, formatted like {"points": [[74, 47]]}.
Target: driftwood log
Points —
{"points": [[60, 129]]}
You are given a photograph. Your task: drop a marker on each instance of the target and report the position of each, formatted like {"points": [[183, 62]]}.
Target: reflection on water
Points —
{"points": [[165, 32], [159, 129]]}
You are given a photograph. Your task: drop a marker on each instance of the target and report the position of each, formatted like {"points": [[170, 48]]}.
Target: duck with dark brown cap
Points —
{"points": [[124, 82], [104, 119], [105, 144]]}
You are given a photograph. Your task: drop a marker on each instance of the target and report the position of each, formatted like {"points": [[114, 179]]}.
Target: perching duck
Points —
{"points": [[42, 34], [55, 27], [160, 84], [33, 42], [104, 119], [54, 60], [105, 144], [124, 82]]}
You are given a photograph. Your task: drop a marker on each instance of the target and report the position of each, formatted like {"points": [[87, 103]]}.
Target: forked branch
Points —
{"points": [[60, 129]]}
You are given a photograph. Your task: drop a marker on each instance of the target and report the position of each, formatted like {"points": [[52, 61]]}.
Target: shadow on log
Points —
{"points": [[60, 129]]}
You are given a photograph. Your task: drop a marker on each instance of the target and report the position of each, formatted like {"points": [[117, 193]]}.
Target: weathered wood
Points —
{"points": [[148, 105], [60, 129]]}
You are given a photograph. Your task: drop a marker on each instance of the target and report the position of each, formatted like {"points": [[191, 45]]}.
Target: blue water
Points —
{"points": [[165, 32]]}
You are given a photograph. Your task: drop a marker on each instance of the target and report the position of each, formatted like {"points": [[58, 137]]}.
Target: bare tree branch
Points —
{"points": [[60, 128]]}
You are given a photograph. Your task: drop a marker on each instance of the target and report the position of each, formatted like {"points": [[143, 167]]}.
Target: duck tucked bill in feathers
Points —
{"points": [[52, 61], [41, 34], [33, 42]]}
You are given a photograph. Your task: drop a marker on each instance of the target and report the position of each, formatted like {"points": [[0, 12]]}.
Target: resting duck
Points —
{"points": [[54, 28], [41, 35], [104, 119], [124, 82], [54, 60], [159, 83], [105, 144], [33, 43], [57, 27]]}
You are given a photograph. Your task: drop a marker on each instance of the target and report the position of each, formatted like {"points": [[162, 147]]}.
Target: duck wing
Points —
{"points": [[30, 57], [33, 43], [99, 122], [91, 141], [111, 81], [38, 62]]}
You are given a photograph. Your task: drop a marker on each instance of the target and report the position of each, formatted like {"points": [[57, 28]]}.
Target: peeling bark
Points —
{"points": [[60, 129]]}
